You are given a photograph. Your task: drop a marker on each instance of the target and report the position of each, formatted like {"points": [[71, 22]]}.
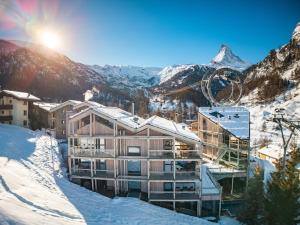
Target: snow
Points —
{"points": [[88, 104], [21, 95], [168, 72], [233, 119], [296, 33], [130, 76], [139, 123], [46, 105], [208, 186], [260, 113], [272, 151], [227, 59], [69, 102], [34, 190]]}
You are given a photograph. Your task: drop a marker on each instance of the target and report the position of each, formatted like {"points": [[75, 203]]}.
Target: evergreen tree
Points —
{"points": [[253, 210], [283, 193]]}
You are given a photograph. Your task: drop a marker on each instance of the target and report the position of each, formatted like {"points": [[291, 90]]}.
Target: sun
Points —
{"points": [[50, 39]]}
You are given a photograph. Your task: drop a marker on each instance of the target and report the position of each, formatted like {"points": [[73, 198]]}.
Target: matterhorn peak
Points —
{"points": [[296, 33], [227, 59]]}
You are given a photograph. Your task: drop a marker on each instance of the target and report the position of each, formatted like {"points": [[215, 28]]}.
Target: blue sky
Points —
{"points": [[155, 33]]}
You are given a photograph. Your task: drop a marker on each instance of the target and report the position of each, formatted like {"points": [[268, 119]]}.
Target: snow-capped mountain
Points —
{"points": [[129, 76], [224, 59], [227, 59]]}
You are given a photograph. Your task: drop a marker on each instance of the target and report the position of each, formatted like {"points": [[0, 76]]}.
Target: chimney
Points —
{"points": [[132, 108]]}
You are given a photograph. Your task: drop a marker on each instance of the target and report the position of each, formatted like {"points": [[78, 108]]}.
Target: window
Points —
{"points": [[25, 123], [168, 186], [10, 101], [24, 103], [134, 150], [168, 166], [25, 113], [100, 143], [2, 112]]}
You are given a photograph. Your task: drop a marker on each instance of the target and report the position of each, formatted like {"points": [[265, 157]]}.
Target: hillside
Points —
{"points": [[32, 183]]}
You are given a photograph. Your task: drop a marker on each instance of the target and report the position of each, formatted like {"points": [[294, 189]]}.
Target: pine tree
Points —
{"points": [[253, 210], [283, 193]]}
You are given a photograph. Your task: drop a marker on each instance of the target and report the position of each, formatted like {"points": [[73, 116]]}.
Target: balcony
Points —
{"points": [[154, 175], [6, 106], [179, 154], [186, 195], [6, 118], [104, 174], [91, 152], [179, 175]]}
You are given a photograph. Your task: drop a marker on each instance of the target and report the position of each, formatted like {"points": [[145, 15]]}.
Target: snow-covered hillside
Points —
{"points": [[33, 190], [129, 76], [261, 128], [227, 59]]}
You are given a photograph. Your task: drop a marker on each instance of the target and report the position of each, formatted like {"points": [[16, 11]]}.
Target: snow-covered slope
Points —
{"points": [[170, 71], [33, 190], [129, 76], [261, 128], [227, 59]]}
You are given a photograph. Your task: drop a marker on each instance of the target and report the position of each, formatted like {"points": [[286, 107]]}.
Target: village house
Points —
{"points": [[15, 107], [53, 116], [115, 152], [225, 134]]}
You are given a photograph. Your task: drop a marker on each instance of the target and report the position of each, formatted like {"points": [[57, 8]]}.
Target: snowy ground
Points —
{"points": [[33, 190]]}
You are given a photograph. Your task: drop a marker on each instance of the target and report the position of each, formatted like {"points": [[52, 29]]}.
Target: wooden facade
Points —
{"points": [[149, 163]]}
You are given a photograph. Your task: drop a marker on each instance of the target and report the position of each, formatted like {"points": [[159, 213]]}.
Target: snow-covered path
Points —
{"points": [[33, 189]]}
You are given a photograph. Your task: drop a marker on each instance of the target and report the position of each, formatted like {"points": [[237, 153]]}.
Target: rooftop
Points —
{"points": [[236, 120], [139, 123], [21, 95], [46, 105]]}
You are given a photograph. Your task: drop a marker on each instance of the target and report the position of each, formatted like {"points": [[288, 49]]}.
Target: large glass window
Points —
{"points": [[100, 143], [134, 150], [134, 167]]}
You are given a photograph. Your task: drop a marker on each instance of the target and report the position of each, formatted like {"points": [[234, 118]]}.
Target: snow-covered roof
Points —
{"points": [[66, 103], [88, 104], [46, 105], [273, 151], [233, 119], [21, 95], [138, 123]]}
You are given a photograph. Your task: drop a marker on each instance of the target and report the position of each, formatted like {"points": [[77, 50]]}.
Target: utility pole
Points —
{"points": [[291, 125]]}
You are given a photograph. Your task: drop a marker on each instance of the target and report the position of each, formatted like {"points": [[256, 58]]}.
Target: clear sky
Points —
{"points": [[153, 32]]}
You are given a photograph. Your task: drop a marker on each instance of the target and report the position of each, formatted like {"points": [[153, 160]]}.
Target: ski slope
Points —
{"points": [[33, 190]]}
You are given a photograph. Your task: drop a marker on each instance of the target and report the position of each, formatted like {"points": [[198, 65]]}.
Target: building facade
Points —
{"points": [[15, 107], [115, 152], [225, 134]]}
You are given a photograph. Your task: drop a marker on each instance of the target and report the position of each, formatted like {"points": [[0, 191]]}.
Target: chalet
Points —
{"points": [[272, 153], [225, 133], [53, 116], [115, 152], [15, 107]]}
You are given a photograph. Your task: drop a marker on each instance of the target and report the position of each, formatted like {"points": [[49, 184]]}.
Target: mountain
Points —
{"points": [[227, 59], [50, 75], [131, 77], [276, 73]]}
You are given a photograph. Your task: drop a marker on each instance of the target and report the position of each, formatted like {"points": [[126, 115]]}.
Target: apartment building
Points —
{"points": [[225, 134], [15, 107], [114, 152]]}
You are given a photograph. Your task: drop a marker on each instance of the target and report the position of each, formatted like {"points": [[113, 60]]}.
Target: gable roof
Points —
{"points": [[136, 123], [88, 104], [236, 120], [66, 103], [21, 95], [47, 106]]}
